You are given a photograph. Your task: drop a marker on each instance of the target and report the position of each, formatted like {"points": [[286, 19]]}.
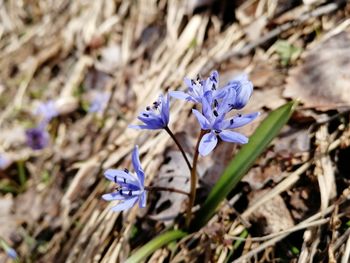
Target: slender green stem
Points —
{"points": [[179, 146], [193, 180], [168, 189]]}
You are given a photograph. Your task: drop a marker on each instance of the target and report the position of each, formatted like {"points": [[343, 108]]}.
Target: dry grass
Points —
{"points": [[64, 50]]}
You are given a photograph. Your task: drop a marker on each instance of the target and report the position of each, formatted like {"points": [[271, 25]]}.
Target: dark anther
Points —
{"points": [[239, 115], [126, 170], [124, 181], [192, 82], [156, 104], [213, 78], [216, 103], [148, 108], [231, 121], [213, 87], [130, 193], [215, 113], [217, 131], [145, 114], [198, 78], [115, 179], [121, 192]]}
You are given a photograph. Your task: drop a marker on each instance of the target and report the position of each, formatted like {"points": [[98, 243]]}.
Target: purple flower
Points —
{"points": [[214, 122], [99, 102], [155, 116], [130, 188], [11, 253], [243, 88], [197, 89], [8, 250], [46, 110], [37, 138]]}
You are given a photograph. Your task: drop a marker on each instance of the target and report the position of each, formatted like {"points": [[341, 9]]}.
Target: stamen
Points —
{"points": [[146, 115], [130, 193], [121, 192], [217, 131], [198, 78], [124, 181], [115, 179], [215, 113], [192, 82], [213, 87], [231, 121], [126, 170], [216, 103], [148, 108], [239, 115], [156, 105]]}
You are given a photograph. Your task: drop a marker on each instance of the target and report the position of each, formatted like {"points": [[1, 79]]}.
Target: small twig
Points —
{"points": [[168, 189], [346, 255], [282, 236], [287, 231]]}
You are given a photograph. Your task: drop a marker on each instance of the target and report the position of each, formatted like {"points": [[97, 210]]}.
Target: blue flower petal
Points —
{"points": [[113, 196], [201, 119], [118, 176], [212, 82], [188, 83], [228, 100], [142, 200], [152, 123], [230, 136], [165, 109], [241, 120], [219, 94], [179, 95], [206, 107], [244, 89], [11, 253], [137, 165], [127, 204], [208, 143]]}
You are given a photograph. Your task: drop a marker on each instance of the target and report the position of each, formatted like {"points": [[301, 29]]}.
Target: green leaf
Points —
{"points": [[154, 244], [245, 158], [287, 52]]}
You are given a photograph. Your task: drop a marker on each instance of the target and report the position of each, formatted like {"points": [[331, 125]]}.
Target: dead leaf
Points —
{"points": [[271, 217], [323, 81]]}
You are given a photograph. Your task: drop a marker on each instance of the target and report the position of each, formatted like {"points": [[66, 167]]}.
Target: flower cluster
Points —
{"points": [[216, 105], [156, 116], [215, 119]]}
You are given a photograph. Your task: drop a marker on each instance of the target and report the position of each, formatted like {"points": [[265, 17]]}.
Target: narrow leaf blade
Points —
{"points": [[154, 244]]}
